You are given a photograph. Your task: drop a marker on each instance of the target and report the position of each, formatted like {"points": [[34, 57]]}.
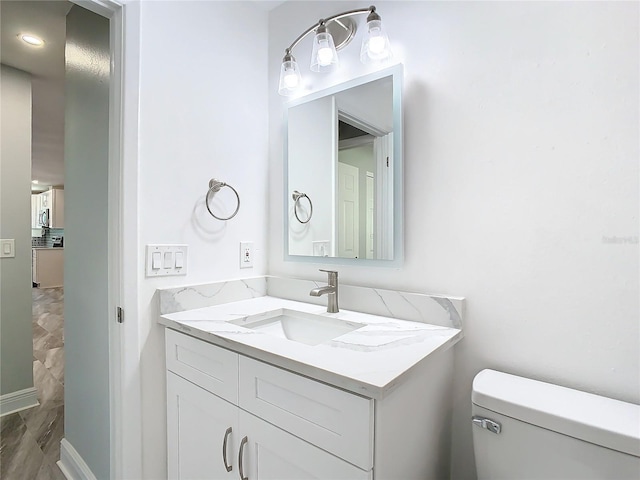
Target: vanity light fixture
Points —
{"points": [[31, 39], [331, 34]]}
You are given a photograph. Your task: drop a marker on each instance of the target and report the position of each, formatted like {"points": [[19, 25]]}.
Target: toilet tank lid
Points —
{"points": [[592, 418]]}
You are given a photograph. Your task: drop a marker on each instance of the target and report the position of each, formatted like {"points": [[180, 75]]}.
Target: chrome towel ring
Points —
{"points": [[296, 195], [214, 187]]}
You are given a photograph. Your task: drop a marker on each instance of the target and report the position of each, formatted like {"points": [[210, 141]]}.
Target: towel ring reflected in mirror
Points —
{"points": [[297, 196], [214, 187]]}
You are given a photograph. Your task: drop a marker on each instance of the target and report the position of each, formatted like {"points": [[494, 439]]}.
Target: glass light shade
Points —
{"points": [[290, 78], [324, 57], [375, 46]]}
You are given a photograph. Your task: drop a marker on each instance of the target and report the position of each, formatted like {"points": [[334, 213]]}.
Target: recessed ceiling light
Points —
{"points": [[31, 39], [35, 182]]}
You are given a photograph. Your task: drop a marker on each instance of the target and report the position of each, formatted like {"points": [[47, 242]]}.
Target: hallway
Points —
{"points": [[30, 439]]}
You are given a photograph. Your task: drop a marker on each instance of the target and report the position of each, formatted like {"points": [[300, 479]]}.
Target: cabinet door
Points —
{"points": [[198, 424], [35, 210], [49, 267], [57, 208], [45, 199], [269, 453]]}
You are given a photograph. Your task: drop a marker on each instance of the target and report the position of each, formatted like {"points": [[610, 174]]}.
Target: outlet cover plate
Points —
{"points": [[246, 254]]}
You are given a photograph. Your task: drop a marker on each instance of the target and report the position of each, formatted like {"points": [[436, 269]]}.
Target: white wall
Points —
{"points": [[311, 139], [15, 222], [371, 102], [521, 160], [203, 114]]}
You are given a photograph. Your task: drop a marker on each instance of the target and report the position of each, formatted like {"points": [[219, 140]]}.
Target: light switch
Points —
{"points": [[167, 261], [179, 259], [157, 261], [8, 249]]}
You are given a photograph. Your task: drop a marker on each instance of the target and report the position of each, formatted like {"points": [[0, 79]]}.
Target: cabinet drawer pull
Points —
{"points": [[240, 455], [224, 450]]}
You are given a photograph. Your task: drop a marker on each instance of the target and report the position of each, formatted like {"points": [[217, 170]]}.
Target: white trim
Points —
{"points": [[360, 124], [104, 8], [17, 401], [71, 463], [355, 142], [129, 454], [114, 244]]}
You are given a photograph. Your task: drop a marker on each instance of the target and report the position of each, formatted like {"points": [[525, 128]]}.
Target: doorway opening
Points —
{"points": [[40, 430]]}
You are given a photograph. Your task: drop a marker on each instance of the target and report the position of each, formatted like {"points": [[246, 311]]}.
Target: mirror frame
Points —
{"points": [[396, 72]]}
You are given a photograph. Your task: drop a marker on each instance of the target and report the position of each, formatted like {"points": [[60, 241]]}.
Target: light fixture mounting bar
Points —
{"points": [[312, 28]]}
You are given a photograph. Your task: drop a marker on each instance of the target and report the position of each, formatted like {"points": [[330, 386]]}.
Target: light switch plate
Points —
{"points": [[7, 248], [321, 248], [165, 264]]}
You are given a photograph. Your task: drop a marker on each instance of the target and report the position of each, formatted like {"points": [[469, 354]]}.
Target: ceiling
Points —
{"points": [[45, 19]]}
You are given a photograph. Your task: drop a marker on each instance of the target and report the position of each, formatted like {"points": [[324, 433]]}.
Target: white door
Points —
{"points": [[273, 454], [348, 231], [199, 427], [90, 260]]}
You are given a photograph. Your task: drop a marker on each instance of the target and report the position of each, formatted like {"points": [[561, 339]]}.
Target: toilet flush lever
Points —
{"points": [[487, 424]]}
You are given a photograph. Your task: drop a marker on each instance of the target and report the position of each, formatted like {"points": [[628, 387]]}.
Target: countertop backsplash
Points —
{"points": [[46, 238], [446, 311]]}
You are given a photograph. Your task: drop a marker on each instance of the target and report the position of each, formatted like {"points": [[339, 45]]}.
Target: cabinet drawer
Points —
{"points": [[212, 368], [334, 420]]}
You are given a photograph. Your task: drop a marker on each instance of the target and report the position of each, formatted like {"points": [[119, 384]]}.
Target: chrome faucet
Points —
{"points": [[331, 290]]}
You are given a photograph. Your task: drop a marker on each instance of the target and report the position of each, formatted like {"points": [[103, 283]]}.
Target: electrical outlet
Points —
{"points": [[246, 254]]}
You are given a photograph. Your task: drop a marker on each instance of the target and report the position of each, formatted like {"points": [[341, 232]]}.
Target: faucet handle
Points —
{"points": [[333, 276]]}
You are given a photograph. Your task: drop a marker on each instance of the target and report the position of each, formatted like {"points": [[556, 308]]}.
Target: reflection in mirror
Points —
{"points": [[344, 153]]}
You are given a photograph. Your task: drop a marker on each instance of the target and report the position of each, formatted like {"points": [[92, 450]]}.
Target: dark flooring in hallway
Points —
{"points": [[30, 439]]}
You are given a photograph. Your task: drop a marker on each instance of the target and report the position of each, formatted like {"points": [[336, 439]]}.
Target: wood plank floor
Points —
{"points": [[30, 439]]}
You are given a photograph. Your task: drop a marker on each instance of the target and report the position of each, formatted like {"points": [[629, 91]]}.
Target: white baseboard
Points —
{"points": [[71, 463], [16, 401]]}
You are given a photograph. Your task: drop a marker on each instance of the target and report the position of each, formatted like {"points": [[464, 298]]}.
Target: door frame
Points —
{"points": [[124, 358]]}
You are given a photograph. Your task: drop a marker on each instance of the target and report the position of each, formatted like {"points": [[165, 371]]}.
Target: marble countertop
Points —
{"points": [[370, 361]]}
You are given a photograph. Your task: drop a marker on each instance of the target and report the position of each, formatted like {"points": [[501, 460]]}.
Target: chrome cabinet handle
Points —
{"points": [[224, 450], [240, 455]]}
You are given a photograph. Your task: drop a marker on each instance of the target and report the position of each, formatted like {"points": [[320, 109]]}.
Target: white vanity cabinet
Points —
{"points": [[232, 416], [211, 436]]}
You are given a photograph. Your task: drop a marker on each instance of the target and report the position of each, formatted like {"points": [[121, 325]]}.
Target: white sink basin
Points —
{"points": [[300, 327]]}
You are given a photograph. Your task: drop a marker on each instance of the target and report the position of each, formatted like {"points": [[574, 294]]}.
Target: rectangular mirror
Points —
{"points": [[343, 173]]}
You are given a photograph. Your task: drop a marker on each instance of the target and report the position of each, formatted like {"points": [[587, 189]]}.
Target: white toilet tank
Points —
{"points": [[525, 429]]}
